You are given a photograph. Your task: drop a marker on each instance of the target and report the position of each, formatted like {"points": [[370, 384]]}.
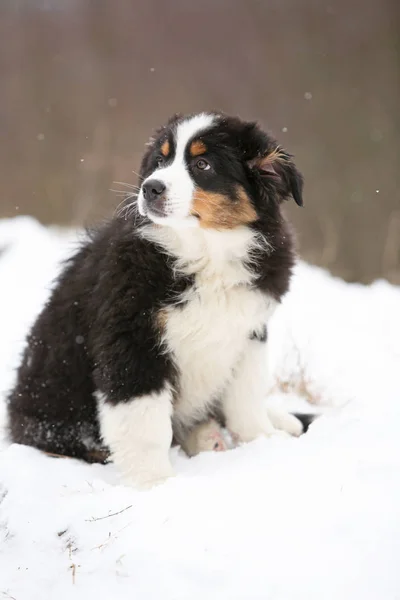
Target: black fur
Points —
{"points": [[96, 332], [260, 336], [99, 329]]}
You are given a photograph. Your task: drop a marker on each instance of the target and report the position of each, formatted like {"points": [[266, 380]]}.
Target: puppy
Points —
{"points": [[157, 328]]}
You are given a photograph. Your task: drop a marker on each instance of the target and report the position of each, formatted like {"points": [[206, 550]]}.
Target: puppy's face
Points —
{"points": [[214, 171]]}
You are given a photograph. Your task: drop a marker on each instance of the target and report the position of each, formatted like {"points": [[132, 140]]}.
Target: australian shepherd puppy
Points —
{"points": [[157, 328]]}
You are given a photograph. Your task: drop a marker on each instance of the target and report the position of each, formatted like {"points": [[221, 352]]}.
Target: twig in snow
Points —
{"points": [[7, 595], [111, 537], [107, 516], [73, 570], [298, 381], [72, 566]]}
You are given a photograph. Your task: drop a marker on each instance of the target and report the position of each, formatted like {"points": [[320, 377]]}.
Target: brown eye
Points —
{"points": [[160, 161], [202, 164]]}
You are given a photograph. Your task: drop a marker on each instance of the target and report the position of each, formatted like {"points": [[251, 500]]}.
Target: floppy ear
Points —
{"points": [[278, 165]]}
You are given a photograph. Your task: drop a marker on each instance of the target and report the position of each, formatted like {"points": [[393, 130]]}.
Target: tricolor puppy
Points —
{"points": [[157, 328]]}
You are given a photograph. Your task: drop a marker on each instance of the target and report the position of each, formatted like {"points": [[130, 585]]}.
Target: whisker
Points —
{"points": [[125, 207], [128, 185], [127, 196], [124, 192], [136, 173], [126, 211], [130, 209]]}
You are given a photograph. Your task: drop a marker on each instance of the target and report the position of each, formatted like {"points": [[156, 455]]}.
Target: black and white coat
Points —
{"points": [[156, 329]]}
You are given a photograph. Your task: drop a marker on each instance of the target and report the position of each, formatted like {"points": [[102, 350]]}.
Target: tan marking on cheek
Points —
{"points": [[165, 148], [197, 147], [216, 211]]}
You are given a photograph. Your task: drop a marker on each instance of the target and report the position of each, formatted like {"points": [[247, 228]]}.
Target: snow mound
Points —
{"points": [[282, 519]]}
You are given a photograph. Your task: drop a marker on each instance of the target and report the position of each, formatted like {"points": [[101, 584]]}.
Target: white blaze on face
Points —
{"points": [[176, 177]]}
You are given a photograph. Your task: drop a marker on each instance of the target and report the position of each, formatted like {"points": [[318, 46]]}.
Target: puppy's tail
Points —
{"points": [[305, 419], [291, 422]]}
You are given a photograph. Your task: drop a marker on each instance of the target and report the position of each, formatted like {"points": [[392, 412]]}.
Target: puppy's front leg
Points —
{"points": [[134, 393], [243, 403], [244, 406], [139, 435]]}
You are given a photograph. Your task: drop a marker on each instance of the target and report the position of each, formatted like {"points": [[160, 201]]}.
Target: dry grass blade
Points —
{"points": [[108, 516]]}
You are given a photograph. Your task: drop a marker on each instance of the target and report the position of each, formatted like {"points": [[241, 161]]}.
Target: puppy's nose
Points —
{"points": [[153, 189]]}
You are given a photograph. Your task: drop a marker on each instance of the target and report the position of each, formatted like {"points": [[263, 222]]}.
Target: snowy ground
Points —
{"points": [[315, 518]]}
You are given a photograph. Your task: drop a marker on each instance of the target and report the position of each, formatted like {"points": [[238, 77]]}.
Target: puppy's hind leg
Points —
{"points": [[204, 437]]}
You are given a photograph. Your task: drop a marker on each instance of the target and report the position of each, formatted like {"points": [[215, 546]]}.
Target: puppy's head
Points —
{"points": [[214, 171]]}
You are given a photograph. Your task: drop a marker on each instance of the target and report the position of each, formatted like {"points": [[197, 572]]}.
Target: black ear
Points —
{"points": [[278, 166]]}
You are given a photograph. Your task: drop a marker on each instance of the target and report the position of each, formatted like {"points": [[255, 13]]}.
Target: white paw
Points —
{"points": [[152, 481], [247, 432], [205, 438], [149, 471], [278, 423], [145, 481]]}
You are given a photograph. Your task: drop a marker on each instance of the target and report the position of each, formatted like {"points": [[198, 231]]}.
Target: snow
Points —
{"points": [[280, 519]]}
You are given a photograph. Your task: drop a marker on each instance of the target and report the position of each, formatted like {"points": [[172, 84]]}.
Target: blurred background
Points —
{"points": [[84, 82]]}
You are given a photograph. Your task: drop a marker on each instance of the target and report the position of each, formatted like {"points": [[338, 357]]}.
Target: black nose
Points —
{"points": [[153, 189]]}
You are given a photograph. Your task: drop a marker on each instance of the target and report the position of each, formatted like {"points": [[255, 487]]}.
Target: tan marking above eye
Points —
{"points": [[165, 148], [216, 211], [197, 147]]}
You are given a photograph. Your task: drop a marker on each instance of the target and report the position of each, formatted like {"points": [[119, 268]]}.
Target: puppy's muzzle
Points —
{"points": [[154, 195]]}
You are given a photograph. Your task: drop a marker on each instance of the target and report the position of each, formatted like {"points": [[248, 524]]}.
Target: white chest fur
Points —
{"points": [[209, 331], [208, 336]]}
